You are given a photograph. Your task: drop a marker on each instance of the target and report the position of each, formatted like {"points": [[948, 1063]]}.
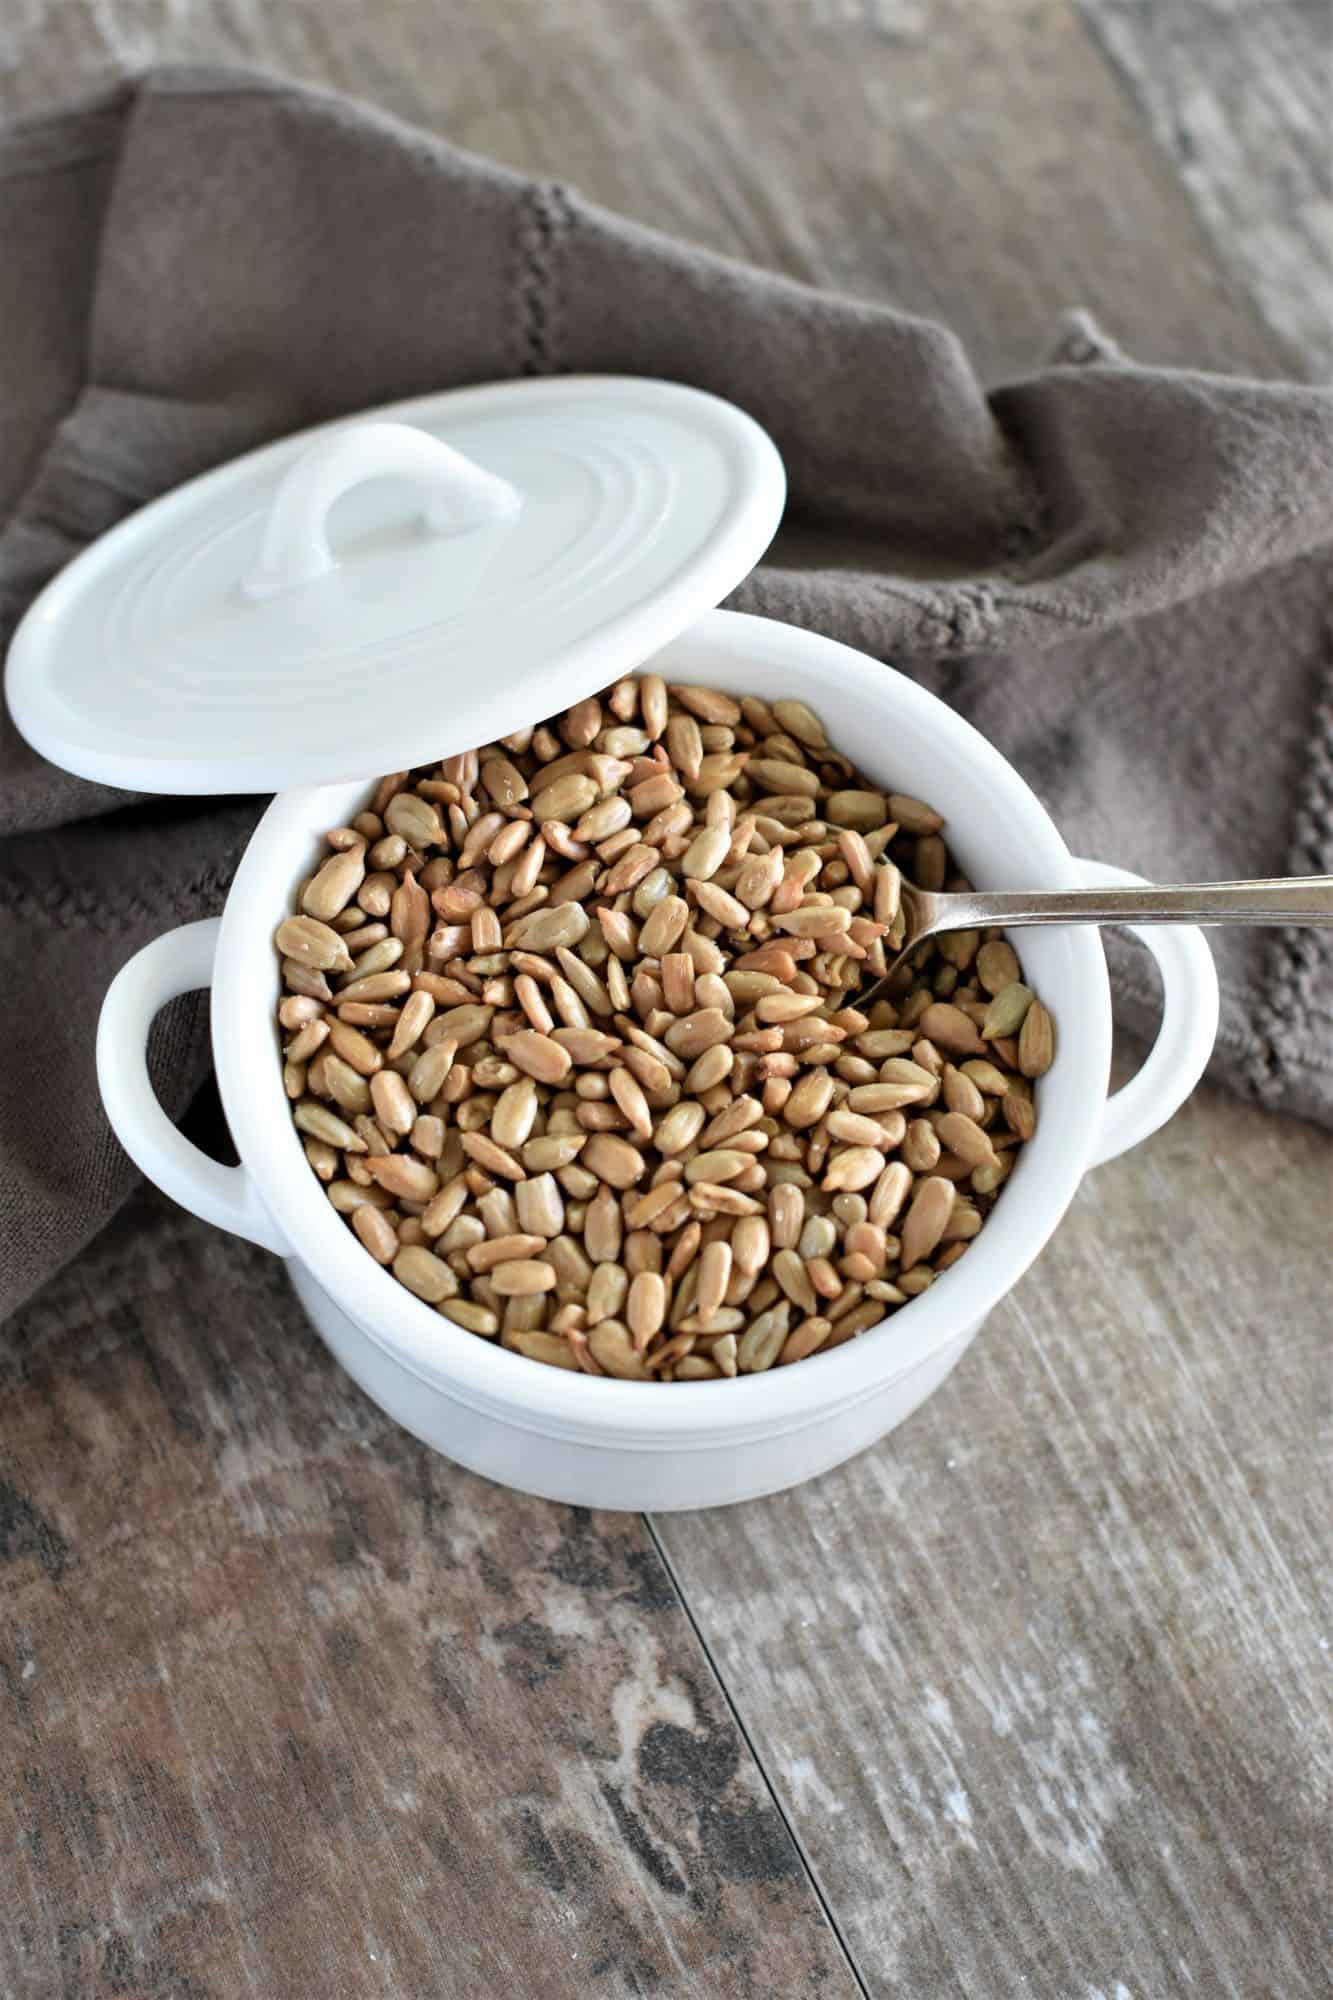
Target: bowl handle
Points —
{"points": [[179, 962], [457, 495], [1185, 1040]]}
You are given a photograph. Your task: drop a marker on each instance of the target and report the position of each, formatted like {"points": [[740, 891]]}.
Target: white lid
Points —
{"points": [[385, 591]]}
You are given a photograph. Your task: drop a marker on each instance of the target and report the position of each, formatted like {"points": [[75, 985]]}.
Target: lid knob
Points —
{"points": [[456, 495]]}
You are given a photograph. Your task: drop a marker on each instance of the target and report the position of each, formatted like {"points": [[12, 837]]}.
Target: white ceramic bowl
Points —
{"points": [[604, 1443]]}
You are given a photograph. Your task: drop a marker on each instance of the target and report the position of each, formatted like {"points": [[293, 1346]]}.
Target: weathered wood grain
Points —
{"points": [[1045, 1676], [907, 151], [291, 1707], [1238, 98]]}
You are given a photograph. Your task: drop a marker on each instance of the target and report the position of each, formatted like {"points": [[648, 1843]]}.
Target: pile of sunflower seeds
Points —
{"points": [[570, 1034]]}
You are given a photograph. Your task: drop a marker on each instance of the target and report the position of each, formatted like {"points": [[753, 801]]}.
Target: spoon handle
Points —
{"points": [[1296, 899]]}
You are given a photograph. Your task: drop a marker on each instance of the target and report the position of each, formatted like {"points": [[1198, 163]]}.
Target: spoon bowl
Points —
{"points": [[929, 913]]}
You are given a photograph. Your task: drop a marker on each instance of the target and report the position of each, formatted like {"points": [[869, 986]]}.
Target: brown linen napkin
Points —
{"points": [[1119, 574]]}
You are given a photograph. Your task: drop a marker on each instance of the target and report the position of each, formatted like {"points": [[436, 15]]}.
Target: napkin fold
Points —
{"points": [[1119, 574]]}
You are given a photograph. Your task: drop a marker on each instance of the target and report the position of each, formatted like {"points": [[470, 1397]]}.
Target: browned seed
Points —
{"points": [[818, 920], [962, 1135], [321, 1123], [607, 826], [297, 1010], [889, 1193], [961, 1093], [708, 704], [427, 1136], [414, 1017], [307, 1040], [312, 945], [544, 929], [426, 1077], [552, 1349], [304, 981], [786, 1215], [540, 1206], [602, 1227], [425, 1274], [613, 1160], [553, 1151], [445, 1207], [693, 1033], [997, 966], [721, 1165], [493, 1250], [332, 888], [375, 1231], [410, 1180], [860, 809], [853, 1168], [653, 706], [1007, 1011], [541, 1056], [778, 776], [474, 1317], [631, 868], [486, 933], [963, 1224], [509, 842], [628, 1094], [612, 1345], [585, 983], [607, 1291], [377, 958], [714, 1276], [1019, 1114], [645, 1307], [376, 986], [913, 815], [416, 819], [585, 1045], [479, 1146], [784, 1007], [868, 1240], [580, 724], [710, 1069], [515, 1114], [664, 927], [528, 867], [393, 1102], [530, 998], [524, 1277], [711, 1198], [951, 1029], [932, 1204], [503, 782], [727, 909], [565, 799], [685, 746], [762, 1341], [705, 855], [790, 1271], [809, 1100], [750, 1241], [1036, 1042], [805, 1339], [655, 795], [854, 1129]]}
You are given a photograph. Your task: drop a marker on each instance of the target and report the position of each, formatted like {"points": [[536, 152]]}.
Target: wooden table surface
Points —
{"points": [[1032, 1699]]}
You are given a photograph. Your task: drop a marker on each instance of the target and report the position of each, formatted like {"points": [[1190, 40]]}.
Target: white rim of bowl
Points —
{"points": [[490, 1377]]}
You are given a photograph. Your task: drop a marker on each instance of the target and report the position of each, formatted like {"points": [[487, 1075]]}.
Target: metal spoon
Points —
{"points": [[1292, 899]]}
